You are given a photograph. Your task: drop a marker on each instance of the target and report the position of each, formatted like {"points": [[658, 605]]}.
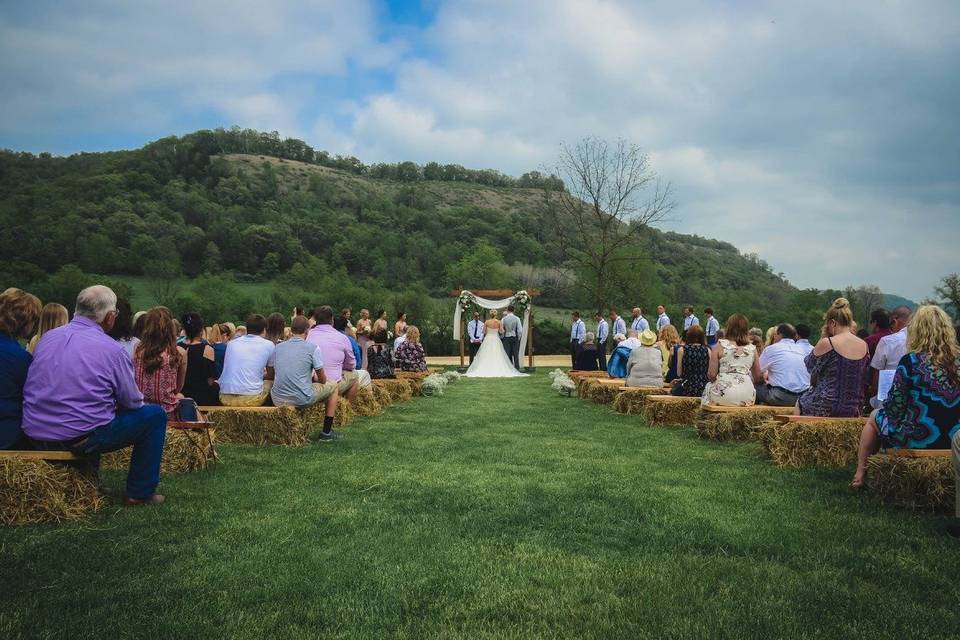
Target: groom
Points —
{"points": [[511, 329]]}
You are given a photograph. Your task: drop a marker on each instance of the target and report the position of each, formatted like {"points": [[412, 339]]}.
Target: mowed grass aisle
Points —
{"points": [[498, 510]]}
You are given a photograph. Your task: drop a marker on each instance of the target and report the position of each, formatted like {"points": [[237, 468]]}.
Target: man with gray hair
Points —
{"points": [[80, 395], [890, 350]]}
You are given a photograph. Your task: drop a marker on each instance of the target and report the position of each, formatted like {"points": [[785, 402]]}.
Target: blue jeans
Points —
{"points": [[144, 428]]}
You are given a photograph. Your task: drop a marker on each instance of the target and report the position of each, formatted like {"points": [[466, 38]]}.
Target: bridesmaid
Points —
{"points": [[364, 333]]}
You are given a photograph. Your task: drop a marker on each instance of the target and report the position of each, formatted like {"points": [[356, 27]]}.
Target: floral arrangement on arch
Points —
{"points": [[521, 301], [468, 302]]}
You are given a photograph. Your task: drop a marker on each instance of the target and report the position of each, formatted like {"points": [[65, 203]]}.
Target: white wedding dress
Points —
{"points": [[491, 360]]}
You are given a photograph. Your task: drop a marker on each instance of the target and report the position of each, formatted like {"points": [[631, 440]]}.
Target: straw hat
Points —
{"points": [[648, 338]]}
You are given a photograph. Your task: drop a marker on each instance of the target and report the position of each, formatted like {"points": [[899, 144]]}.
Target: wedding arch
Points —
{"points": [[486, 299]]}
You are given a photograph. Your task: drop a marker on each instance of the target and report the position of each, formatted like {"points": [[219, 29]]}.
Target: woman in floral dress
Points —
{"points": [[734, 367]]}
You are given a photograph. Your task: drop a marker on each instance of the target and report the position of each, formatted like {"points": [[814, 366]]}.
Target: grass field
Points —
{"points": [[499, 510]]}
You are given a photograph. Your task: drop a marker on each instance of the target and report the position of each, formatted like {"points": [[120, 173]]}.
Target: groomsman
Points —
{"points": [[602, 333], [475, 330], [578, 333], [689, 320], [639, 323], [512, 329], [617, 324], [713, 326], [662, 318]]}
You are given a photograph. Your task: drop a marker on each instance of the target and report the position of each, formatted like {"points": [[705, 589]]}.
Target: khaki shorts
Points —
{"points": [[348, 380], [234, 400], [323, 391]]}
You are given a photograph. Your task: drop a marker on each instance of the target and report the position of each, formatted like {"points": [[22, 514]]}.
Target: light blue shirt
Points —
{"points": [[603, 330], [640, 324], [662, 321], [578, 332], [713, 326], [619, 326], [690, 321]]}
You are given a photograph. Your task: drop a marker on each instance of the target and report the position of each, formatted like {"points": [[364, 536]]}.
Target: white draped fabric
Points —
{"points": [[494, 304]]}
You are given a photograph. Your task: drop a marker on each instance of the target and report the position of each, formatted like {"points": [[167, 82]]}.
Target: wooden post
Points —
{"points": [[461, 342], [530, 342]]}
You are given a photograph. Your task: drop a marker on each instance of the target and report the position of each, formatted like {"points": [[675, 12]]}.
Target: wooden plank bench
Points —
{"points": [[40, 455], [785, 418], [763, 408]]}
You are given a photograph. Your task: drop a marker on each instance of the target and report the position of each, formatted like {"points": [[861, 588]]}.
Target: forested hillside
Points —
{"points": [[201, 212]]}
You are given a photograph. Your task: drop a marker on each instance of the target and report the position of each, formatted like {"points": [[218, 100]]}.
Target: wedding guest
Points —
{"points": [[922, 410], [138, 323], [954, 530], [276, 323], [475, 332], [363, 378], [632, 340], [617, 364], [351, 331], [890, 350], [693, 361], [638, 323], [689, 319], [339, 363], [80, 395], [159, 365], [645, 366], [220, 347], [668, 341], [734, 367], [364, 332], [52, 316], [603, 332], [297, 311], [299, 377], [248, 366], [803, 337], [379, 358], [19, 312], [770, 335], [662, 318], [578, 332], [588, 359], [713, 327], [410, 354], [399, 331], [200, 382], [241, 330], [837, 366], [122, 330], [782, 364]]}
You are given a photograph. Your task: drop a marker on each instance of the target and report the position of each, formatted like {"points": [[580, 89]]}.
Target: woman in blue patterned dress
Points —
{"points": [[922, 409]]}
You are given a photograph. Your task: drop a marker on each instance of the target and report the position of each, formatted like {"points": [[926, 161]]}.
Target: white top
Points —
{"points": [[662, 320], [889, 350], [475, 330], [619, 326], [130, 345], [783, 363], [578, 331], [807, 347], [690, 321], [633, 343], [243, 365], [603, 330], [640, 324], [713, 326]]}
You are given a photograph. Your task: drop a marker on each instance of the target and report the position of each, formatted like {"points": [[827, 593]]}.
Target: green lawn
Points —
{"points": [[499, 510]]}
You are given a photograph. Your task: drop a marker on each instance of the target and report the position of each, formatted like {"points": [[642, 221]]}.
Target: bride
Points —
{"points": [[491, 360]]}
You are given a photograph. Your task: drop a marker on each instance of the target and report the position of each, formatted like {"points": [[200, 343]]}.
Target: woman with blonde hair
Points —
{"points": [[52, 316], [19, 312], [838, 367], [734, 367], [922, 408], [669, 343], [410, 354], [159, 365]]}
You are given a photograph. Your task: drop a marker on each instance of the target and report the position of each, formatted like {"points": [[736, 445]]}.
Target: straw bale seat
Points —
{"points": [[915, 478], [734, 423], [259, 425], [400, 390], [37, 486], [664, 410], [630, 400], [798, 441], [189, 446]]}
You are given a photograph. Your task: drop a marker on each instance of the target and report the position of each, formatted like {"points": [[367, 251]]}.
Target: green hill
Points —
{"points": [[196, 217]]}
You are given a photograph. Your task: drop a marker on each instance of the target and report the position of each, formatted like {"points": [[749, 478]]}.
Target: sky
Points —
{"points": [[823, 136]]}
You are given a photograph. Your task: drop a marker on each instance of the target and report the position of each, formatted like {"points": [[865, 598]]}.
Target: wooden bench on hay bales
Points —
{"points": [[735, 423], [189, 446], [916, 478], [42, 486], [799, 441]]}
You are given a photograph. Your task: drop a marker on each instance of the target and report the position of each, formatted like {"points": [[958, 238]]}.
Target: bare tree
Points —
{"points": [[949, 290], [864, 299], [611, 194]]}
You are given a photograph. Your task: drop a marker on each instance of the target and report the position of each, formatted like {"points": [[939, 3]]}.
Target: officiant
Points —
{"points": [[475, 331]]}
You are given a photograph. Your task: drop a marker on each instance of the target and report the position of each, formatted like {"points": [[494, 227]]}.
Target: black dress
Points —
{"points": [[696, 359], [588, 359], [379, 362], [200, 371]]}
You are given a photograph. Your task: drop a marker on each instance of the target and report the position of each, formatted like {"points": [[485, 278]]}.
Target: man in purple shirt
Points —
{"points": [[338, 360], [80, 395]]}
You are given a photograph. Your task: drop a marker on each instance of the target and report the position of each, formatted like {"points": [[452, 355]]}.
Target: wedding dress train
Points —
{"points": [[491, 360]]}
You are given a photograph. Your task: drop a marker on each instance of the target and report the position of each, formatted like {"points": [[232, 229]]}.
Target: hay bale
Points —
{"points": [[34, 491], [737, 425], [678, 410], [312, 416], [381, 395], [366, 403], [281, 425], [344, 414], [602, 393], [584, 384], [399, 390], [918, 483], [416, 386], [630, 401], [827, 443], [183, 451], [411, 375]]}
